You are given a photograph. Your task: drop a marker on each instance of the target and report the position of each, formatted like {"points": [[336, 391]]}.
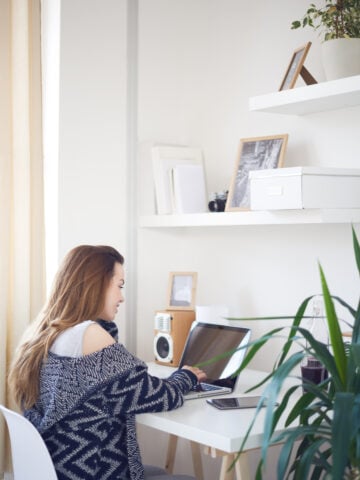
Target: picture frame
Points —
{"points": [[296, 67], [181, 291], [255, 153]]}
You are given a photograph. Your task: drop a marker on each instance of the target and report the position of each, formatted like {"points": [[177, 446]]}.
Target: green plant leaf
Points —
{"points": [[356, 327], [355, 354], [336, 19], [341, 426], [290, 437], [299, 407], [272, 392], [319, 430], [355, 457], [353, 373], [284, 459], [335, 334], [342, 302], [295, 24], [283, 404], [297, 319], [308, 458], [255, 346], [356, 247]]}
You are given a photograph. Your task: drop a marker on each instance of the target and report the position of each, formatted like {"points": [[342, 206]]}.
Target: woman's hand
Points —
{"points": [[201, 375]]}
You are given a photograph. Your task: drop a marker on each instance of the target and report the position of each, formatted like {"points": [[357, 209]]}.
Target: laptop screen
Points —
{"points": [[206, 340]]}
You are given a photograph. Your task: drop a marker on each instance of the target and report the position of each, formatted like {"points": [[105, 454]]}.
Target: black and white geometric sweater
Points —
{"points": [[87, 406]]}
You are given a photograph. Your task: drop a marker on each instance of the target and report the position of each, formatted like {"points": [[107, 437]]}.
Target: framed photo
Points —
{"points": [[254, 154], [296, 67], [182, 291]]}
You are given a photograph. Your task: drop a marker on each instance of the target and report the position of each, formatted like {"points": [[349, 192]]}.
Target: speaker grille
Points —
{"points": [[163, 347], [163, 322]]}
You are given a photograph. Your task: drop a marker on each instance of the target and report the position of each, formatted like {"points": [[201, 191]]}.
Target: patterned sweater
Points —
{"points": [[86, 410]]}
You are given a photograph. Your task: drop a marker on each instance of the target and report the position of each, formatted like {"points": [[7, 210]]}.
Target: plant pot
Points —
{"points": [[341, 57]]}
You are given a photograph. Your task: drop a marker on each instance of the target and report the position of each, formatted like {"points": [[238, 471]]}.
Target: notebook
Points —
{"points": [[206, 341]]}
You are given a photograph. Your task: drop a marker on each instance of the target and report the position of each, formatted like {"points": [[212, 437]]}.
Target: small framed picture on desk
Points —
{"points": [[182, 291]]}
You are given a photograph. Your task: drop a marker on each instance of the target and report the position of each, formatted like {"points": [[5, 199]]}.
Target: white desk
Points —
{"points": [[220, 431]]}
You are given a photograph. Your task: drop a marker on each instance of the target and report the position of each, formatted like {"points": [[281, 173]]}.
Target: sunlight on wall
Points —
{"points": [[50, 45]]}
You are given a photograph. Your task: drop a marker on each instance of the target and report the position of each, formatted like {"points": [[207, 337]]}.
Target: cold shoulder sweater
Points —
{"points": [[87, 405]]}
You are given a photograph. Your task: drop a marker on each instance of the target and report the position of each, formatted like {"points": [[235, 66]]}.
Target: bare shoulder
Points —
{"points": [[95, 339]]}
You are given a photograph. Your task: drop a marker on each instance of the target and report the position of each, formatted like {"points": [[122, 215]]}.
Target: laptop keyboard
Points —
{"points": [[205, 387]]}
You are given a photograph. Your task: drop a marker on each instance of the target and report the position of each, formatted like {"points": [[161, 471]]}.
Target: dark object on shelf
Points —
{"points": [[313, 371], [218, 201]]}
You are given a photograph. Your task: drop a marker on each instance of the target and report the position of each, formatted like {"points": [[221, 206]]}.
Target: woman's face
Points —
{"points": [[113, 295]]}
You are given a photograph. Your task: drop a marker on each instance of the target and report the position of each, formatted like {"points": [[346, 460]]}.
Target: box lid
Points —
{"points": [[291, 171]]}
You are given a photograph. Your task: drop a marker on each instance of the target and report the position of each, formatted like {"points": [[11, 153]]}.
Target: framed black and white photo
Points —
{"points": [[254, 154], [182, 290], [296, 67]]}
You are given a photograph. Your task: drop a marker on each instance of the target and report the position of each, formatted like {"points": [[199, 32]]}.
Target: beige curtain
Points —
{"points": [[22, 277]]}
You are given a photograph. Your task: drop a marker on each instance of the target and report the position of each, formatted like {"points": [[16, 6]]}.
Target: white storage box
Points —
{"points": [[304, 187]]}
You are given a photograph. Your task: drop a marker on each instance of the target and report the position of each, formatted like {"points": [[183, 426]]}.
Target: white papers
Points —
{"points": [[188, 189], [165, 160]]}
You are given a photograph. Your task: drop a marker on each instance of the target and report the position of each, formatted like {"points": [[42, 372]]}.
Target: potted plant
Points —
{"points": [[338, 23], [321, 438]]}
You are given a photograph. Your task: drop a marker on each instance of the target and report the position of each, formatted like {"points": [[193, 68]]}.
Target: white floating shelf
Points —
{"points": [[278, 217], [332, 95]]}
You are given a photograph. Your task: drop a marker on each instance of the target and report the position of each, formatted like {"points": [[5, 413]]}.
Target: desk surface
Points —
{"points": [[198, 421]]}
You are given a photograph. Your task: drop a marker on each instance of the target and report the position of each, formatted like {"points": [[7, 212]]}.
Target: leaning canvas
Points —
{"points": [[188, 190], [164, 159]]}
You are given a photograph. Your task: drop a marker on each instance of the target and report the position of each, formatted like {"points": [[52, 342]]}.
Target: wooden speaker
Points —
{"points": [[171, 330]]}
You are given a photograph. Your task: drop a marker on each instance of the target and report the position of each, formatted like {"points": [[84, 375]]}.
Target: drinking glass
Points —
{"points": [[312, 371]]}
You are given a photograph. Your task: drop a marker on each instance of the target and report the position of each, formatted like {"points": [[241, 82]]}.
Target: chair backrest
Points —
{"points": [[30, 456]]}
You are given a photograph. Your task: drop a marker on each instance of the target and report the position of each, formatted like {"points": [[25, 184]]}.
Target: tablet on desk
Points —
{"points": [[231, 403]]}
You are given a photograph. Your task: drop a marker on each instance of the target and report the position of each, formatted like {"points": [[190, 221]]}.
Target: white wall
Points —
{"points": [[93, 135], [198, 64]]}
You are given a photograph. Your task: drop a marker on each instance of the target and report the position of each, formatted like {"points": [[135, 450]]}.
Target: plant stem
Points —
{"points": [[340, 18]]}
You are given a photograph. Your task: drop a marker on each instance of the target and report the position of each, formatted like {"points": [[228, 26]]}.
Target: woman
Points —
{"points": [[79, 386]]}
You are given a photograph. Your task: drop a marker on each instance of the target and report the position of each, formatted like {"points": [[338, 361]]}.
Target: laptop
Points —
{"points": [[204, 342]]}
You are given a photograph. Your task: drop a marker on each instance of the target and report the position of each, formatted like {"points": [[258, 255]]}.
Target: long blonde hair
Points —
{"points": [[78, 294]]}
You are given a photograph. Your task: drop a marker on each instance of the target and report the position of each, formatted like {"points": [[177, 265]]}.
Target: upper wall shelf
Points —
{"points": [[324, 96], [274, 217], [320, 97]]}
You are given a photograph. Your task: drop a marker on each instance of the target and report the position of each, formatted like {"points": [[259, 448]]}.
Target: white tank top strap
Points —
{"points": [[70, 342]]}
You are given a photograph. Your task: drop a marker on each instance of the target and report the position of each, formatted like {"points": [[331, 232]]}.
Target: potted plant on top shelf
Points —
{"points": [[338, 23], [321, 438]]}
